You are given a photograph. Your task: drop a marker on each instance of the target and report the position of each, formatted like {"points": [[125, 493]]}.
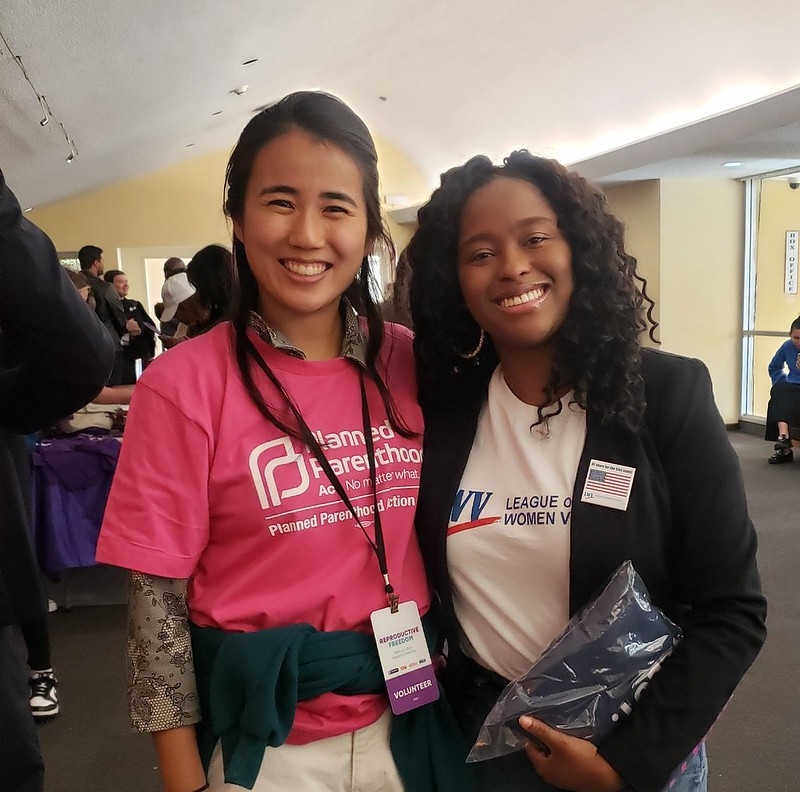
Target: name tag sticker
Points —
{"points": [[405, 660], [608, 484]]}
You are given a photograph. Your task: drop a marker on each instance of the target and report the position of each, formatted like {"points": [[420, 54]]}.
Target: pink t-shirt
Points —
{"points": [[206, 488]]}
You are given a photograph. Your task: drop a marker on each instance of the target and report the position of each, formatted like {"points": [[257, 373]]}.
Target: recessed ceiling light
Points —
{"points": [[218, 112], [29, 209], [248, 62], [383, 98], [732, 164], [242, 89], [189, 145]]}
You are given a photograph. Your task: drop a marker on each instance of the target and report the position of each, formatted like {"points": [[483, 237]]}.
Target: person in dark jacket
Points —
{"points": [[107, 305], [54, 357], [137, 344], [556, 448]]}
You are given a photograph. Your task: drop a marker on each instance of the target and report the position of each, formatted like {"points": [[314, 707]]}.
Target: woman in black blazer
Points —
{"points": [[556, 448]]}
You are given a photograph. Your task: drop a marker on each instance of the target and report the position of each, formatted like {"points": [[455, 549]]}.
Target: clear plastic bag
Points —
{"points": [[591, 675]]}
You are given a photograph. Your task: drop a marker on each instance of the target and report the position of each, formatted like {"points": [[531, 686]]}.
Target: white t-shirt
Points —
{"points": [[508, 544]]}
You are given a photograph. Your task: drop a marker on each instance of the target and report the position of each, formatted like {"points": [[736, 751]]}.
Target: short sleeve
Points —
{"points": [[157, 517]]}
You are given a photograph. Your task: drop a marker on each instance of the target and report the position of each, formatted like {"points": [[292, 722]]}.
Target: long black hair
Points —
{"points": [[210, 272], [596, 349], [329, 119]]}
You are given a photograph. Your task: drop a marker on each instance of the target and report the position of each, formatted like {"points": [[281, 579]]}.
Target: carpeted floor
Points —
{"points": [[90, 747]]}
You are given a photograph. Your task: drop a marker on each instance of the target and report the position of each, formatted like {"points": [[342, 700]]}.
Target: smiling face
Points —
{"points": [[121, 285], [514, 265], [303, 226]]}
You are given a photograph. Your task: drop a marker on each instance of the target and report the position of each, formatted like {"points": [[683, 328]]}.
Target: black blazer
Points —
{"points": [[54, 357], [686, 530]]}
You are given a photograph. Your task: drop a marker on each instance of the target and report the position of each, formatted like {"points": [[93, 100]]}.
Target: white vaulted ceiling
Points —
{"points": [[135, 82]]}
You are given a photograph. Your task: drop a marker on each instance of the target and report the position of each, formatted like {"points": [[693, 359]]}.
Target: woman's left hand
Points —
{"points": [[571, 763]]}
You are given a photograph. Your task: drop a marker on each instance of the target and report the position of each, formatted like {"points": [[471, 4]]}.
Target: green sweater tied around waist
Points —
{"points": [[249, 685]]}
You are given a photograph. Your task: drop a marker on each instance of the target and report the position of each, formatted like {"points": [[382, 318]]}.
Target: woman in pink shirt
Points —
{"points": [[263, 463]]}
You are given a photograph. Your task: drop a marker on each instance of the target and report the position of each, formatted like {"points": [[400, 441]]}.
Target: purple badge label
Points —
{"points": [[411, 690]]}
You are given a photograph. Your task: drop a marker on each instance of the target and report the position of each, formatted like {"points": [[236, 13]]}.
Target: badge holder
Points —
{"points": [[405, 659]]}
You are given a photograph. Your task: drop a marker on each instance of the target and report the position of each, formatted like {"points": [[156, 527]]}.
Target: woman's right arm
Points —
{"points": [[162, 692]]}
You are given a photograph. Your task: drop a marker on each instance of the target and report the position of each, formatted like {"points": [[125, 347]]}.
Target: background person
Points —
{"points": [[175, 291], [210, 272], [172, 266], [784, 396], [107, 305], [54, 356], [255, 545], [140, 343], [527, 316]]}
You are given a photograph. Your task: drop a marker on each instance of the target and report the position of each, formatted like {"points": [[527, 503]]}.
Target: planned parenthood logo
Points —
{"points": [[265, 460]]}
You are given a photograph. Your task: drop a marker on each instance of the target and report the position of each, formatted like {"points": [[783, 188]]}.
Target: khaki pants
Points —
{"points": [[359, 761]]}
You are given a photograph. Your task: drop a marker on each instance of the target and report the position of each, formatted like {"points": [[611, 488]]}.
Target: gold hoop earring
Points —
{"points": [[474, 353]]}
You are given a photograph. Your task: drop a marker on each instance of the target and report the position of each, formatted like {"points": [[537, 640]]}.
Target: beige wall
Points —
{"points": [[702, 260], [178, 209], [689, 238], [638, 205], [778, 212]]}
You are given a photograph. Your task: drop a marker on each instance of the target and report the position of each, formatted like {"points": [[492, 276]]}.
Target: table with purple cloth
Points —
{"points": [[71, 481]]}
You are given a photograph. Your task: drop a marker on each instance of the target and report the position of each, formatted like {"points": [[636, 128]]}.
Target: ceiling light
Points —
{"points": [[70, 158], [29, 209], [732, 164], [242, 89], [189, 145], [44, 122], [218, 112], [383, 98], [248, 62]]}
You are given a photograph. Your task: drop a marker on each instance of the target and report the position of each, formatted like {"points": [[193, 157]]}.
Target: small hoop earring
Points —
{"points": [[474, 352]]}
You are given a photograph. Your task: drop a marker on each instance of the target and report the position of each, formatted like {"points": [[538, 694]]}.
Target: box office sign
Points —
{"points": [[790, 271]]}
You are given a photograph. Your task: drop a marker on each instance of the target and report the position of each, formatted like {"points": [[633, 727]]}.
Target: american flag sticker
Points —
{"points": [[608, 484]]}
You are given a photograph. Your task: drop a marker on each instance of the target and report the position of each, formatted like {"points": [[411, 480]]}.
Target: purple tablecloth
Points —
{"points": [[71, 480]]}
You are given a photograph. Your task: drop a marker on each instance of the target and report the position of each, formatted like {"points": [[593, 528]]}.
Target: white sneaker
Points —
{"points": [[44, 696]]}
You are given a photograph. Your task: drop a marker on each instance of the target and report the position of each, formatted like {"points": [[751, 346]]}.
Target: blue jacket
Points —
{"points": [[787, 354]]}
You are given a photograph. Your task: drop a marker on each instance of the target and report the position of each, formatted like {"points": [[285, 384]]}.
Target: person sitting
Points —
{"points": [[784, 397]]}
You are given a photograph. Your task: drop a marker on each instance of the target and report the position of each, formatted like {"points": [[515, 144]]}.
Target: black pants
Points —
{"points": [[21, 766], [784, 405], [36, 633], [510, 773]]}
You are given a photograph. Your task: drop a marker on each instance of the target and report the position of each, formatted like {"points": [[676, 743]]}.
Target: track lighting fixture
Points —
{"points": [[47, 113]]}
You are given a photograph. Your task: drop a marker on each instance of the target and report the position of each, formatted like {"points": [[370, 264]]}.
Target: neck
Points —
{"points": [[318, 335], [527, 373]]}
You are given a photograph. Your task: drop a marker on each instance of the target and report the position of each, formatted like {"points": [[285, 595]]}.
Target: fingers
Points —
{"points": [[541, 735]]}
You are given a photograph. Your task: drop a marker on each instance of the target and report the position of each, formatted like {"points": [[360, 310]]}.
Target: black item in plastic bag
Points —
{"points": [[591, 675]]}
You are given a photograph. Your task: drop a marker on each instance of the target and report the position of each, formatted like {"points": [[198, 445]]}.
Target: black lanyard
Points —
{"points": [[378, 546]]}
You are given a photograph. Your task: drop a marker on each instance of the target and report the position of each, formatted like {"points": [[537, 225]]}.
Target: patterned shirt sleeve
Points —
{"points": [[162, 692]]}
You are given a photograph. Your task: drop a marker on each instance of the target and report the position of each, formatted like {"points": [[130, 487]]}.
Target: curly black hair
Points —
{"points": [[596, 350]]}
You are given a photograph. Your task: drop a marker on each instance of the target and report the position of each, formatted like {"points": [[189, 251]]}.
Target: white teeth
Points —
{"points": [[521, 299], [304, 269]]}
